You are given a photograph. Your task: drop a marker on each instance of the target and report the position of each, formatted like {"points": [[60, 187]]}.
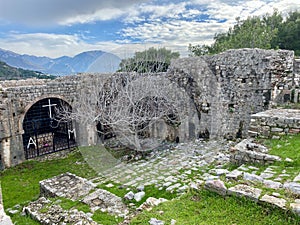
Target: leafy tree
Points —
{"points": [[267, 32], [151, 60], [289, 33]]}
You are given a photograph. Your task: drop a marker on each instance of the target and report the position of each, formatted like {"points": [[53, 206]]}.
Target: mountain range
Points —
{"points": [[90, 61]]}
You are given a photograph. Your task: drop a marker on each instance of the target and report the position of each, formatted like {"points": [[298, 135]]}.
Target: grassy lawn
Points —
{"points": [[208, 208], [286, 147], [20, 185]]}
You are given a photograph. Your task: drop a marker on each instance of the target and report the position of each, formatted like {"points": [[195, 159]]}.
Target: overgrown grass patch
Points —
{"points": [[20, 184], [105, 218], [286, 147], [68, 204], [208, 208]]}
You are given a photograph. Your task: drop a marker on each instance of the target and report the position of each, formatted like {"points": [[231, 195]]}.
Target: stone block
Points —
{"points": [[235, 174], [151, 202], [216, 186], [66, 185], [276, 129], [295, 206], [293, 187], [279, 202], [106, 202], [253, 177], [246, 191], [138, 196]]}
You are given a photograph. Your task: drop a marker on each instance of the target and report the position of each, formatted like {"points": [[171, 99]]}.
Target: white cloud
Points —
{"points": [[174, 29], [39, 12], [151, 23], [51, 45]]}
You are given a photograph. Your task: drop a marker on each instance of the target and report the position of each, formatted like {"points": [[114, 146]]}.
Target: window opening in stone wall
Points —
{"points": [[43, 132]]}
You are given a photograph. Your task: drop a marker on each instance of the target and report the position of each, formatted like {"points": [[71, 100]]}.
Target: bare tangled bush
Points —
{"points": [[129, 106]]}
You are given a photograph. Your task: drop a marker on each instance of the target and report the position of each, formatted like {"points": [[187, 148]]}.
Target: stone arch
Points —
{"points": [[27, 107], [42, 132]]}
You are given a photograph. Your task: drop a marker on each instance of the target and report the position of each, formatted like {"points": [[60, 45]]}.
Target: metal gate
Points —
{"points": [[42, 133]]}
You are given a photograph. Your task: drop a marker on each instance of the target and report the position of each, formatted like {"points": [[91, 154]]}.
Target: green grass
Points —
{"points": [[208, 208], [105, 218], [20, 184], [68, 204], [286, 147]]}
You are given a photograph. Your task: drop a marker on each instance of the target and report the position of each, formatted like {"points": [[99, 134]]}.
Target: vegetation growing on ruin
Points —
{"points": [[267, 32], [205, 207], [20, 185]]}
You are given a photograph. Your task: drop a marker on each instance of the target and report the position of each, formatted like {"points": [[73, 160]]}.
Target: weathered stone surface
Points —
{"points": [[247, 151], [272, 184], [106, 202], [129, 195], [281, 203], [293, 187], [46, 213], [151, 202], [217, 186], [297, 178], [219, 172], [253, 177], [245, 190], [235, 174], [295, 206], [154, 221], [280, 122], [138, 196], [66, 185], [266, 175], [173, 187]]}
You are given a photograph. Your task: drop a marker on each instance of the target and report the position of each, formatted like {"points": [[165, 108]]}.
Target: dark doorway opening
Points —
{"points": [[43, 132]]}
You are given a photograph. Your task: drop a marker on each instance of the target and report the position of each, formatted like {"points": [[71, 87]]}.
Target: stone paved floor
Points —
{"points": [[173, 169], [193, 164]]}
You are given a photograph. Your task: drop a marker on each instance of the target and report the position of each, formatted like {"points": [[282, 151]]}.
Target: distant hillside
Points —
{"points": [[90, 61], [11, 73]]}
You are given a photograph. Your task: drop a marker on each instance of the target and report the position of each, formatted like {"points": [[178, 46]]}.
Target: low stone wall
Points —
{"points": [[275, 123], [249, 152]]}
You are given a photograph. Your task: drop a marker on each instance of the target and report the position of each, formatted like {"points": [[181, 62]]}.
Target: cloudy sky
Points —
{"points": [[67, 27]]}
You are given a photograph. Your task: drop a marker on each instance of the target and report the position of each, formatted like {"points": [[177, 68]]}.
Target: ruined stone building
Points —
{"points": [[225, 90]]}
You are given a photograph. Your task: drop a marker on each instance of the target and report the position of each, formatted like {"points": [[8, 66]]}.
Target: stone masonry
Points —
{"points": [[225, 89], [275, 123]]}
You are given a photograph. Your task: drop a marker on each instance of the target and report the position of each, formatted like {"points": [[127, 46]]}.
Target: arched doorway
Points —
{"points": [[43, 132]]}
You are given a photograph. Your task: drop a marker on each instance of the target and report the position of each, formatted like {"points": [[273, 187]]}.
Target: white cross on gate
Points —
{"points": [[50, 110]]}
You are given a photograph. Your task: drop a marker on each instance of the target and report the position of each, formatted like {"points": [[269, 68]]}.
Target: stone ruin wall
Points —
{"points": [[225, 89], [16, 97]]}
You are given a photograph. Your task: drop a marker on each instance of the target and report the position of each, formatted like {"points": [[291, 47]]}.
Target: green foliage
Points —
{"points": [[10, 73], [20, 184], [148, 61], [105, 218], [286, 147], [68, 204], [267, 32], [209, 208], [288, 36]]}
